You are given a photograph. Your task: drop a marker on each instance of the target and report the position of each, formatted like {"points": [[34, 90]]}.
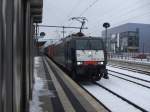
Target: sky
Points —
{"points": [[116, 12]]}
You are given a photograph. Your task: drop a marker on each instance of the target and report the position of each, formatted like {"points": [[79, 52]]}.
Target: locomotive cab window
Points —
{"points": [[96, 44], [89, 44], [82, 44]]}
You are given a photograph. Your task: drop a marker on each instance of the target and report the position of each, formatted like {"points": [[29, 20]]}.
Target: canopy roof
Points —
{"points": [[36, 10]]}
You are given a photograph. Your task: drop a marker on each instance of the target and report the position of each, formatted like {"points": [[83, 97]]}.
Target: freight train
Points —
{"points": [[82, 56]]}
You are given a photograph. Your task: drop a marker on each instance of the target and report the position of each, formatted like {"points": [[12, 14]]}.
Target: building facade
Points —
{"points": [[130, 37]]}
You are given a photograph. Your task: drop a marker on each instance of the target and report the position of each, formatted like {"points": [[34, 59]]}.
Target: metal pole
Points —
{"points": [[38, 30], [143, 48], [106, 25], [83, 22], [36, 38], [106, 39], [63, 32]]}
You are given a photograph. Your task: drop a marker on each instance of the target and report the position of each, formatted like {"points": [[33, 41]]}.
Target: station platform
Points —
{"points": [[54, 91]]}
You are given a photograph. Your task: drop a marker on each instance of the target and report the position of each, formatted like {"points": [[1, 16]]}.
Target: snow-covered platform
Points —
{"points": [[54, 91]]}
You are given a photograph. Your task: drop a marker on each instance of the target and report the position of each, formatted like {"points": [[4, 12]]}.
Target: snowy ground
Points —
{"points": [[135, 93], [40, 89], [35, 103], [112, 102]]}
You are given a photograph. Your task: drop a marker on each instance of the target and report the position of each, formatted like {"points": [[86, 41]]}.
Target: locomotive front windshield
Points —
{"points": [[89, 44]]}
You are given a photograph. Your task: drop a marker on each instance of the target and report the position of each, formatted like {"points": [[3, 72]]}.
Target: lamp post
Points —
{"points": [[106, 25]]}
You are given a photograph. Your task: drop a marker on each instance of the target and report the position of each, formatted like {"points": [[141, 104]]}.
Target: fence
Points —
{"points": [[130, 56]]}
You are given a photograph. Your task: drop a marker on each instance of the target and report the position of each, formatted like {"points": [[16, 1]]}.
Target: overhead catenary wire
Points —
{"points": [[73, 9], [93, 3], [126, 20], [129, 12], [90, 6], [104, 13], [113, 10], [125, 13], [136, 16], [86, 9]]}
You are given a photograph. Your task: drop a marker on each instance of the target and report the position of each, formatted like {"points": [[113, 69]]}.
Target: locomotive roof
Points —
{"points": [[83, 37], [69, 38]]}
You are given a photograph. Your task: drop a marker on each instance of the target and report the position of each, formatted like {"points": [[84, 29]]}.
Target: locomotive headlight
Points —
{"points": [[90, 52], [79, 63], [101, 63]]}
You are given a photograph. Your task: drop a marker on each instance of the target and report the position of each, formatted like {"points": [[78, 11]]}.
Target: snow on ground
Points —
{"points": [[138, 75], [40, 88], [131, 79], [135, 93], [112, 102], [35, 103]]}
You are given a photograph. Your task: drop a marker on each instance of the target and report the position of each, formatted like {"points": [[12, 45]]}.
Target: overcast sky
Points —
{"points": [[116, 12]]}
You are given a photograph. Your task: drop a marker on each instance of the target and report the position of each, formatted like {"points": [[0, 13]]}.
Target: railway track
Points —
{"points": [[121, 97], [135, 80], [80, 101], [123, 91], [130, 76], [126, 62], [117, 103], [131, 81], [130, 69]]}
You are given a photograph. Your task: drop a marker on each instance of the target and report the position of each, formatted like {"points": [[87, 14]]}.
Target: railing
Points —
{"points": [[130, 56]]}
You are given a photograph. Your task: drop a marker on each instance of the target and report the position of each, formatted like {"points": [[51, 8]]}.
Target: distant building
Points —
{"points": [[130, 37]]}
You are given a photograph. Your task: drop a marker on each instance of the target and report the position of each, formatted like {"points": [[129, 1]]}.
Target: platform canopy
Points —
{"points": [[37, 10]]}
